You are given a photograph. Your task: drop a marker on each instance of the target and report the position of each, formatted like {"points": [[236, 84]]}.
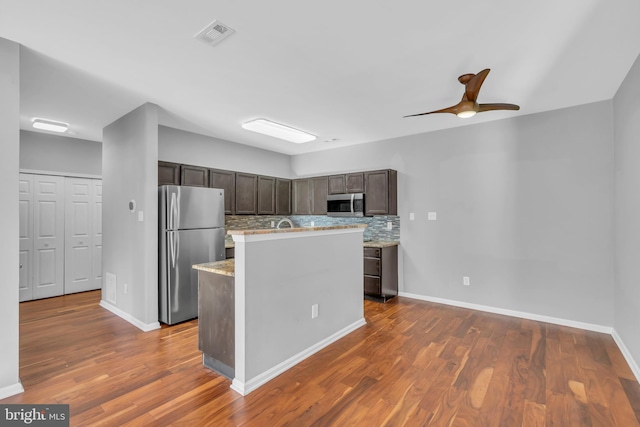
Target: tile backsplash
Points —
{"points": [[376, 225]]}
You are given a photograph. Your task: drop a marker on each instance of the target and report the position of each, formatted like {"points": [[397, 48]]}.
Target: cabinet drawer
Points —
{"points": [[372, 252], [372, 285], [372, 266]]}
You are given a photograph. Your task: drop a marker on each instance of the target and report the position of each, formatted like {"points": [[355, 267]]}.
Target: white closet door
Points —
{"points": [[78, 275], [25, 188], [48, 227], [97, 233]]}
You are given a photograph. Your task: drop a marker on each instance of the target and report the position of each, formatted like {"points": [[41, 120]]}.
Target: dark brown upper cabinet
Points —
{"points": [[266, 195], [301, 196], [320, 190], [168, 173], [283, 196], [354, 182], [194, 176], [381, 192], [337, 184], [227, 181], [246, 193], [346, 183]]}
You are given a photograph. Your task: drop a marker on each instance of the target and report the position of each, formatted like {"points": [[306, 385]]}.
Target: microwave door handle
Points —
{"points": [[352, 203]]}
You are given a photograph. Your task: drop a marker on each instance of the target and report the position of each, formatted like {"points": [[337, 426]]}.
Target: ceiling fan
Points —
{"points": [[468, 106]]}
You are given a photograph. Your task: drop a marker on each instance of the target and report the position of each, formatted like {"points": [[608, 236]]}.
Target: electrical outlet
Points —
{"points": [[389, 225], [126, 288], [466, 281], [314, 311], [432, 216], [273, 224], [313, 223]]}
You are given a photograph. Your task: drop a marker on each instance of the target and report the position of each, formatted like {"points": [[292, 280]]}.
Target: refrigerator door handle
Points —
{"points": [[173, 212], [173, 248]]}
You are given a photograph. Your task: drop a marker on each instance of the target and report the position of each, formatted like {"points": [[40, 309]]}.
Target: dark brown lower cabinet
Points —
{"points": [[381, 272]]}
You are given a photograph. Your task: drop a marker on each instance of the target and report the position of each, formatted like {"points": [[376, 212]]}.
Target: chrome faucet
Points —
{"points": [[287, 220]]}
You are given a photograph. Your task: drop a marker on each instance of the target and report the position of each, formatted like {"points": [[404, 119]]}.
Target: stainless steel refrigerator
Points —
{"points": [[191, 222]]}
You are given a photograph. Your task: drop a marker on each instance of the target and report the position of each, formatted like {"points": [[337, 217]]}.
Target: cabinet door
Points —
{"points": [[194, 176], [320, 190], [266, 195], [381, 192], [246, 193], [354, 183], [337, 184], [283, 196], [301, 197], [168, 173], [227, 181]]}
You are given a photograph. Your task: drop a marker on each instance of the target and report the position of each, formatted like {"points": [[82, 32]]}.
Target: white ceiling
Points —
{"points": [[338, 69]]}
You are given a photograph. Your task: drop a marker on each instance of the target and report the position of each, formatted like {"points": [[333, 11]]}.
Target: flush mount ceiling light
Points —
{"points": [[50, 125], [277, 130]]}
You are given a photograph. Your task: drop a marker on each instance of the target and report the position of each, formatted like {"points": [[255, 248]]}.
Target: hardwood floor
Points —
{"points": [[414, 363]]}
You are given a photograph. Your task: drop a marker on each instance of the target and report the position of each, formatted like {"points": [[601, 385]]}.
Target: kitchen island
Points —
{"points": [[295, 291]]}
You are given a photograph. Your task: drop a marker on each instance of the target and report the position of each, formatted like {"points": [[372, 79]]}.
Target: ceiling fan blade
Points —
{"points": [[452, 110], [490, 107], [472, 88]]}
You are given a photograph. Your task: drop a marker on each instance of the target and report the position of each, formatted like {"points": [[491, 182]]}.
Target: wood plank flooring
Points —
{"points": [[414, 363]]}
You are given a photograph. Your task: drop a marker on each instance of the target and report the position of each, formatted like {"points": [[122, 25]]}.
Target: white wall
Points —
{"points": [[53, 153], [179, 146], [10, 140], [627, 202], [278, 278], [130, 247], [525, 209]]}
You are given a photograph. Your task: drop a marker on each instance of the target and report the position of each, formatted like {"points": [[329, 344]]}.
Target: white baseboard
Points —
{"points": [[556, 321], [513, 313], [145, 327], [627, 354], [11, 390], [255, 382]]}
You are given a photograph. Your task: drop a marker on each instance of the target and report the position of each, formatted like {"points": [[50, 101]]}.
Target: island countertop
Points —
{"points": [[291, 230], [226, 267]]}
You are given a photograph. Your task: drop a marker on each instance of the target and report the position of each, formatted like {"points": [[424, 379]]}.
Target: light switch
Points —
{"points": [[412, 216], [431, 216], [140, 216]]}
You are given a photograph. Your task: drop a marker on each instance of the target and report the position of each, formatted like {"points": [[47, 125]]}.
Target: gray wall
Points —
{"points": [[130, 247], [9, 226], [525, 209], [53, 153], [627, 202], [179, 146]]}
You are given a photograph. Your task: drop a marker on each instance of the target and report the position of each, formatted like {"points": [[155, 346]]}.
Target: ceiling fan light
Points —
{"points": [[50, 125], [466, 114], [277, 130]]}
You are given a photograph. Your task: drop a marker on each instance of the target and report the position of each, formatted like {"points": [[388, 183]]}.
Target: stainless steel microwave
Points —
{"points": [[345, 204]]}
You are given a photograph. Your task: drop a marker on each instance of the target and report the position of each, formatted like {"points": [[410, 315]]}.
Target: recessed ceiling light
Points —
{"points": [[267, 127], [50, 125]]}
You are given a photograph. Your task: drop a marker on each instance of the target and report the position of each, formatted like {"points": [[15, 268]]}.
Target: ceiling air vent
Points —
{"points": [[214, 33]]}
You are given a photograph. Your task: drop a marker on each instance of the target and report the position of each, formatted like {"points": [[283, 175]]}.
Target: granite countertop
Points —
{"points": [[380, 243], [292, 230], [226, 267], [366, 243]]}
